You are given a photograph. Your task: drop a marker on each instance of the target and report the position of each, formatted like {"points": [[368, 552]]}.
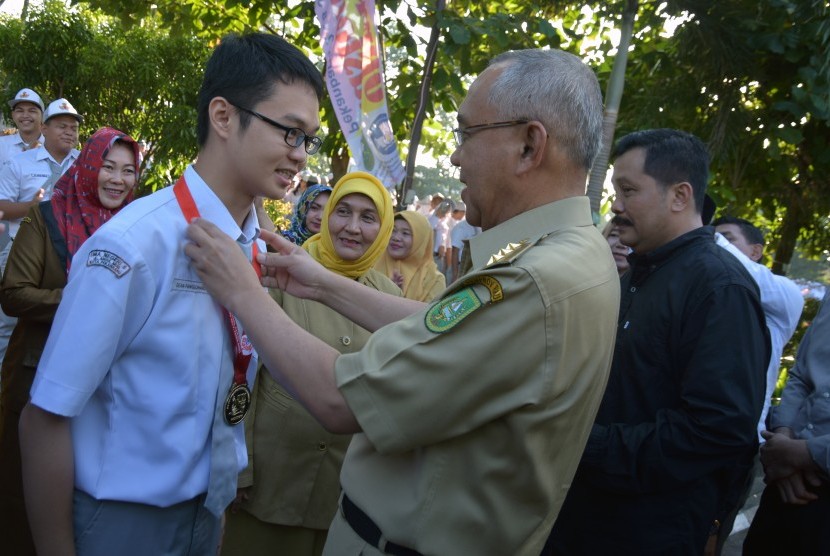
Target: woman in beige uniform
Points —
{"points": [[408, 260], [288, 494]]}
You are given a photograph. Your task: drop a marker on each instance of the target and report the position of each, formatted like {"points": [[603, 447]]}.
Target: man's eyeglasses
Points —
{"points": [[294, 136], [461, 133]]}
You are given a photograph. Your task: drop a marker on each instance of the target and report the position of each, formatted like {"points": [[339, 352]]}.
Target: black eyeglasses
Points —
{"points": [[294, 136], [459, 133]]}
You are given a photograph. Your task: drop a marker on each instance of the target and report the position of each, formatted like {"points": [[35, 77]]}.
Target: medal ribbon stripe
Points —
{"points": [[239, 397]]}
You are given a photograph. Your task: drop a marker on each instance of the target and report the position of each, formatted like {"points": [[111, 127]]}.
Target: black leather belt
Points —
{"points": [[369, 532]]}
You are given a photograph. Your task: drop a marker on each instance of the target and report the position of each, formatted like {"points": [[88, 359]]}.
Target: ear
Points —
{"points": [[682, 196], [222, 116], [756, 251], [535, 140]]}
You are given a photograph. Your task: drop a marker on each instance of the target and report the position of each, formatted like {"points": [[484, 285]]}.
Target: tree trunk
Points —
{"points": [[793, 221], [339, 164], [420, 110], [613, 96]]}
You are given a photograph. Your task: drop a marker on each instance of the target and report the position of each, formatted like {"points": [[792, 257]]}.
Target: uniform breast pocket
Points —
{"points": [[273, 395], [184, 278]]}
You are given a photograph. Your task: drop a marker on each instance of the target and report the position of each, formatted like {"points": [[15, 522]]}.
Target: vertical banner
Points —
{"points": [[355, 82]]}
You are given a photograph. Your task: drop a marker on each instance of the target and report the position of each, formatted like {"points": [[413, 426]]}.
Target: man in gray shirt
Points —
{"points": [[795, 508]]}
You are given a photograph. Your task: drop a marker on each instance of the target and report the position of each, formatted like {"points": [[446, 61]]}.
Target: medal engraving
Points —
{"points": [[237, 404]]}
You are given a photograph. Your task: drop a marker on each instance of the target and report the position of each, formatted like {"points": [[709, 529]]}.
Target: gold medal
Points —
{"points": [[237, 404]]}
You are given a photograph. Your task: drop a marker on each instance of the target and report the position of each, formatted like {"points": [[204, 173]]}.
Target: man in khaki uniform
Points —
{"points": [[473, 409]]}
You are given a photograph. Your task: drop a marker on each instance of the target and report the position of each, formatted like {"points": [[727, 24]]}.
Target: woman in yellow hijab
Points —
{"points": [[288, 494], [408, 260], [357, 224]]}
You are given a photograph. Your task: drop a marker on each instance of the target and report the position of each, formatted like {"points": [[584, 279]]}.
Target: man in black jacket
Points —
{"points": [[676, 427]]}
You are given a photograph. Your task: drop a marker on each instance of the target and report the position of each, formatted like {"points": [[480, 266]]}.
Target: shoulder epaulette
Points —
{"points": [[509, 253]]}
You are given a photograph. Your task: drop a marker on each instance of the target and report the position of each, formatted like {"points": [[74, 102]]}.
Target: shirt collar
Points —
{"points": [[211, 208], [667, 250], [19, 142], [43, 154], [641, 266], [530, 225]]}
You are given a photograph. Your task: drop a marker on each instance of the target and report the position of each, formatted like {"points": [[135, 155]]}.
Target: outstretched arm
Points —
{"points": [[299, 361], [294, 271]]}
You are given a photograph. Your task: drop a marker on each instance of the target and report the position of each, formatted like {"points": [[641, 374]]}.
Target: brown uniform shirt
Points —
{"points": [[476, 410]]}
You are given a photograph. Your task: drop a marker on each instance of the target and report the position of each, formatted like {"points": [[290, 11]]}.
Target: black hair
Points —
{"points": [[672, 156], [245, 69], [751, 233]]}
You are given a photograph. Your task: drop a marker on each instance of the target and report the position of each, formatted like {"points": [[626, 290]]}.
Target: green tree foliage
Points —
{"points": [[142, 80], [752, 80], [471, 33], [279, 212]]}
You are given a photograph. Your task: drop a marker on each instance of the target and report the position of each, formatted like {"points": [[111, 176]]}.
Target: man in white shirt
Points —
{"points": [[781, 298], [128, 442], [438, 220], [27, 114], [426, 207], [28, 177], [460, 236]]}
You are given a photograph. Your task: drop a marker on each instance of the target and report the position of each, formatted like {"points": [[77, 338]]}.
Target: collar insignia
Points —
{"points": [[509, 253]]}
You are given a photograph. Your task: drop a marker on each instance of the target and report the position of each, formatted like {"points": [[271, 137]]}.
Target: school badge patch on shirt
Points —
{"points": [[108, 260], [451, 310]]}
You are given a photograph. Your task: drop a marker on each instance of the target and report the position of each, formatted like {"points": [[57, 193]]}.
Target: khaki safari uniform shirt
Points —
{"points": [[476, 410], [293, 462]]}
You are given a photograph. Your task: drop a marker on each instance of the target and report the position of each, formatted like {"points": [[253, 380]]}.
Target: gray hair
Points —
{"points": [[557, 89]]}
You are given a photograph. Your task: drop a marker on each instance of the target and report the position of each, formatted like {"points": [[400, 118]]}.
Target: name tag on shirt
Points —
{"points": [[182, 285]]}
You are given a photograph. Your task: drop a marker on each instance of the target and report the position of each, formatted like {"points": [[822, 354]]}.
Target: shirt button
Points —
{"points": [[322, 446], [809, 426], [826, 394], [633, 289], [345, 340]]}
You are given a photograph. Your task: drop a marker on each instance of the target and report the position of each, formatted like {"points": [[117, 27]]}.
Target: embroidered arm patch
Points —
{"points": [[457, 306], [108, 260], [451, 310]]}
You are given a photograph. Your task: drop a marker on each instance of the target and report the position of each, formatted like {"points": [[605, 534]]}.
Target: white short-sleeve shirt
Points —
{"points": [[24, 174], [461, 231], [11, 145], [135, 353], [782, 303]]}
